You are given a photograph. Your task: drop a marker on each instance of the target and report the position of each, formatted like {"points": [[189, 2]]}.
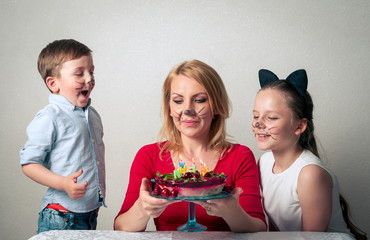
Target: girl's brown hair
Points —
{"points": [[302, 107]]}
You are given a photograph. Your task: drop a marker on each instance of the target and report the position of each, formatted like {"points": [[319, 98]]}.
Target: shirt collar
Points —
{"points": [[62, 101]]}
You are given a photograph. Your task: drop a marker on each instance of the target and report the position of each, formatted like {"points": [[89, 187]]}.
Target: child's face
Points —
{"points": [[190, 108], [274, 124], [75, 81]]}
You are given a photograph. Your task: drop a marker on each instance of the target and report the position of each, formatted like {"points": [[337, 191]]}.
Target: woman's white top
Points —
{"points": [[280, 196]]}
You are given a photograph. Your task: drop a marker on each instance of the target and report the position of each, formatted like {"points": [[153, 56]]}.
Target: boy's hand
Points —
{"points": [[74, 189]]}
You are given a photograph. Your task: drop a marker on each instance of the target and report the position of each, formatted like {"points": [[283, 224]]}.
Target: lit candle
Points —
{"points": [[203, 168], [177, 173], [193, 168], [182, 167]]}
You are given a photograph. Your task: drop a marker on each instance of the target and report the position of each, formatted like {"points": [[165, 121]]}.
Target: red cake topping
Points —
{"points": [[190, 179], [170, 185]]}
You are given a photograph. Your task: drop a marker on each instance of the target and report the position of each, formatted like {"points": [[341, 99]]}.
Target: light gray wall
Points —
{"points": [[136, 43]]}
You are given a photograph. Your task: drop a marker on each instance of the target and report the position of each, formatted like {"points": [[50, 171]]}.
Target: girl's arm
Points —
{"points": [[44, 176], [315, 196]]}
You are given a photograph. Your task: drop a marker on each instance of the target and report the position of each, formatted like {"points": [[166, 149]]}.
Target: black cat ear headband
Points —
{"points": [[297, 79]]}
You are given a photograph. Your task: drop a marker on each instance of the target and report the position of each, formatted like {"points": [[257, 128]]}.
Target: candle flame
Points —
{"points": [[202, 163]]}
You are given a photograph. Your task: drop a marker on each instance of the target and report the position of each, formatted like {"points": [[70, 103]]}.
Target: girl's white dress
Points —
{"points": [[280, 197]]}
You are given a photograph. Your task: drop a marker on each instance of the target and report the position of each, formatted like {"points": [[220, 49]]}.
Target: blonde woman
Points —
{"points": [[195, 109]]}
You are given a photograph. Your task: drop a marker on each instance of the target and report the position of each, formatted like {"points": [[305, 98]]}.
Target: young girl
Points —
{"points": [[299, 192]]}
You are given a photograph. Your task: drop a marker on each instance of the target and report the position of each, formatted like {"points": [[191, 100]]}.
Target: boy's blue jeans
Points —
{"points": [[50, 219]]}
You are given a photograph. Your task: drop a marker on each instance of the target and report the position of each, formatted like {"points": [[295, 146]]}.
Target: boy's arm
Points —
{"points": [[44, 176]]}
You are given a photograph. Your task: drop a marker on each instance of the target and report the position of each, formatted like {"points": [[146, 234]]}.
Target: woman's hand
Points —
{"points": [[146, 206], [152, 206], [234, 215], [222, 207]]}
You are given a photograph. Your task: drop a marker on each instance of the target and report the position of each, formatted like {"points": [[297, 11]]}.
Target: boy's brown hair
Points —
{"points": [[53, 56]]}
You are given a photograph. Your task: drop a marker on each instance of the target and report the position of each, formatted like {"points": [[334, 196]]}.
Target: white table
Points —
{"points": [[163, 235]]}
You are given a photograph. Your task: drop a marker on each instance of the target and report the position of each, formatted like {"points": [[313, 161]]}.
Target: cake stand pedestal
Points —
{"points": [[192, 225]]}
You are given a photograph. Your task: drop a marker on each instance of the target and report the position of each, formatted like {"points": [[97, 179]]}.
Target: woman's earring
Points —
{"points": [[187, 112]]}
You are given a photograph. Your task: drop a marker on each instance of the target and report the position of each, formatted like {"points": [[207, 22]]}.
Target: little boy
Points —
{"points": [[65, 149]]}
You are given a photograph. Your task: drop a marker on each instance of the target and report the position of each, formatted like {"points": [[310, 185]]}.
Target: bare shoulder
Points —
{"points": [[313, 174]]}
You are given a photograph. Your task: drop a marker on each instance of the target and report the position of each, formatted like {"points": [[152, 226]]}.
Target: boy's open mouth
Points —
{"points": [[84, 92]]}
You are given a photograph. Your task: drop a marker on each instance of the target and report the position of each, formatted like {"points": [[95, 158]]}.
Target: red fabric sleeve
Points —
{"points": [[240, 166], [142, 167]]}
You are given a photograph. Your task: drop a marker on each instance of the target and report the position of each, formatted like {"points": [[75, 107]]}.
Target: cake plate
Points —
{"points": [[192, 225]]}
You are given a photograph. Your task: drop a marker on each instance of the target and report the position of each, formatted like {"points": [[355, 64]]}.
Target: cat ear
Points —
{"points": [[298, 79], [266, 77]]}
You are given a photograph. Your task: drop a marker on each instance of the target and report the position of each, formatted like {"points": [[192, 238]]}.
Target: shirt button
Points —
{"points": [[93, 140], [65, 219], [97, 163]]}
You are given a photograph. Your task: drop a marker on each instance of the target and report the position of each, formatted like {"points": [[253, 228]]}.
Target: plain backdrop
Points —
{"points": [[136, 43]]}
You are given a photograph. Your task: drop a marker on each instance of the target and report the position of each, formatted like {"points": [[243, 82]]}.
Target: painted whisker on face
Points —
{"points": [[176, 116], [258, 130], [201, 109], [202, 116], [272, 136]]}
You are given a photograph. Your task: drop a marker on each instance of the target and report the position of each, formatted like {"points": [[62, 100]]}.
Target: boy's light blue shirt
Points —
{"points": [[65, 138]]}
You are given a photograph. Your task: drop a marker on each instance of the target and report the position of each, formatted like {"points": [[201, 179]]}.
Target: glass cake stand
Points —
{"points": [[192, 225]]}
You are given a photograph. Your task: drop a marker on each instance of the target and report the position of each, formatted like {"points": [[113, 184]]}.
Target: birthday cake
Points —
{"points": [[189, 184]]}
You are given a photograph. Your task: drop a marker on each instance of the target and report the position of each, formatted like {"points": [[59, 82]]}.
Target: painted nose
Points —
{"points": [[258, 124], [187, 112], [188, 108]]}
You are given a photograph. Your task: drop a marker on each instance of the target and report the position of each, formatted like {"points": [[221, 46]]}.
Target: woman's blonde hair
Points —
{"points": [[219, 102]]}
